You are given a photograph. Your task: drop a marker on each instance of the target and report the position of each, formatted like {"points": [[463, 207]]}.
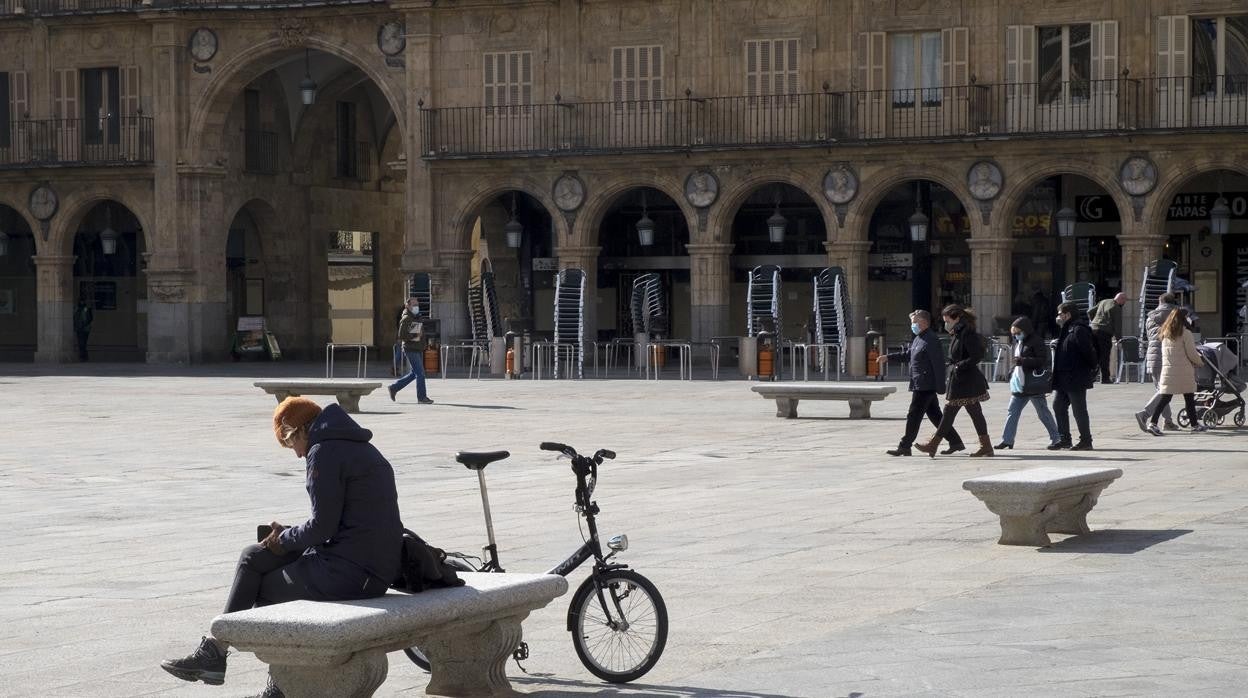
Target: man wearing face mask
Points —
{"points": [[350, 548], [927, 382], [412, 335], [1074, 367]]}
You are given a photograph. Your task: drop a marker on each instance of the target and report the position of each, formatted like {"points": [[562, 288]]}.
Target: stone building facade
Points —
{"points": [[181, 128]]}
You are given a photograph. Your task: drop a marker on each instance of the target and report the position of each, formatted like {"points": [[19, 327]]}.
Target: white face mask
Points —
{"points": [[413, 309], [950, 325]]}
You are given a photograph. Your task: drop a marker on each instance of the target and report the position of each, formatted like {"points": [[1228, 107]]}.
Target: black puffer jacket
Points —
{"points": [[1074, 361], [354, 531], [965, 353], [1033, 355]]}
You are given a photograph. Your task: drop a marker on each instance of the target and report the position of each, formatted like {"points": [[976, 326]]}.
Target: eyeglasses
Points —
{"points": [[288, 435]]}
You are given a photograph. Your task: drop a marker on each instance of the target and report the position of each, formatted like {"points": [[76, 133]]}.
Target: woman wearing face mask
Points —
{"points": [[349, 548], [413, 337], [1179, 361], [967, 386], [1029, 382]]}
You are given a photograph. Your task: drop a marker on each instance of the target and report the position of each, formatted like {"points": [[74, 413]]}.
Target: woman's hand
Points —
{"points": [[271, 542]]}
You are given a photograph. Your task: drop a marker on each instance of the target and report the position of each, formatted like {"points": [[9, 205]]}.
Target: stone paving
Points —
{"points": [[796, 559]]}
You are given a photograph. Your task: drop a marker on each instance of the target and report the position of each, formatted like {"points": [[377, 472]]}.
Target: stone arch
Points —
{"points": [[261, 212], [880, 183], [1155, 210], [79, 204], [725, 210], [589, 219], [212, 108], [460, 228], [30, 223], [1018, 184]]}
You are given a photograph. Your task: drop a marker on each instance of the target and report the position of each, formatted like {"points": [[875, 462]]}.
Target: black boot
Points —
{"points": [[954, 448], [903, 449]]}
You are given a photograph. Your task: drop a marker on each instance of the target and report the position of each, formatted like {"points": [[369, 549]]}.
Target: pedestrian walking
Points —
{"points": [[83, 317], [1105, 318], [1074, 368], [412, 335], [1179, 361], [1166, 304], [927, 383], [967, 385], [1030, 382]]}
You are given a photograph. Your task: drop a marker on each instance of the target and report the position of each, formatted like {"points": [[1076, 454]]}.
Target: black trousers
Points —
{"points": [[82, 345], [264, 578], [946, 430], [1104, 340], [925, 403], [1064, 401], [1188, 398]]}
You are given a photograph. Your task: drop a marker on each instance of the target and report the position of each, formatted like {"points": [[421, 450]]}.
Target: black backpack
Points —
{"points": [[423, 566]]}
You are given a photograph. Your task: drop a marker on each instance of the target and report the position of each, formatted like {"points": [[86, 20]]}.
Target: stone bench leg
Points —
{"points": [[358, 677], [1024, 530], [1075, 519], [473, 663], [786, 407], [282, 395], [350, 402], [860, 409]]}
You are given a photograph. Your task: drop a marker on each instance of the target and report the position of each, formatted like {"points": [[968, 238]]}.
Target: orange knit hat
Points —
{"points": [[292, 413]]}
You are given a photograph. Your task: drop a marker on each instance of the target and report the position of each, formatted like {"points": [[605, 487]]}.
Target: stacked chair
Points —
{"points": [[1082, 294], [763, 300], [831, 306], [570, 321], [1159, 278]]}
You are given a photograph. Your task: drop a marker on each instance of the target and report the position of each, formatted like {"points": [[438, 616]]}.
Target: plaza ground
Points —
{"points": [[795, 558]]}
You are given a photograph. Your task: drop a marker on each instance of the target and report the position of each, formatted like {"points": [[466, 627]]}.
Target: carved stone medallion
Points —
{"points": [[1138, 175], [984, 180], [840, 184], [569, 192], [202, 44], [701, 189]]}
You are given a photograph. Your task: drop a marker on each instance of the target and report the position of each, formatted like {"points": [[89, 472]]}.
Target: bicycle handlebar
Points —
{"points": [[571, 452]]}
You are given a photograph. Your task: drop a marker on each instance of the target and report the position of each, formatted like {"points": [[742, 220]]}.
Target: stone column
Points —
{"points": [[710, 288], [1137, 252], [450, 299], [585, 259], [991, 265], [851, 255], [170, 322], [55, 298]]}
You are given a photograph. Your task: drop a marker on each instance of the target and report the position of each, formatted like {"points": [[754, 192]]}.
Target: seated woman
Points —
{"points": [[348, 549]]}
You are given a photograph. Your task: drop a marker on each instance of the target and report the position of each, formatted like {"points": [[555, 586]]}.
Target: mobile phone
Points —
{"points": [[263, 531]]}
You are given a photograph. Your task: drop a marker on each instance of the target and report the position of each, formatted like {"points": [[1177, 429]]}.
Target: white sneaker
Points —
{"points": [[1155, 430]]}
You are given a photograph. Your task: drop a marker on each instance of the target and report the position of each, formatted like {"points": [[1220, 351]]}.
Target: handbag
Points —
{"points": [[1037, 382]]}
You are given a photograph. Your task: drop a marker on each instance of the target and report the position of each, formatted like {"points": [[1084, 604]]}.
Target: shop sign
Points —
{"points": [[545, 264], [891, 260], [1099, 208]]}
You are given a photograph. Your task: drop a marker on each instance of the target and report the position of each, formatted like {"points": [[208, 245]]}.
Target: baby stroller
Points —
{"points": [[1219, 390]]}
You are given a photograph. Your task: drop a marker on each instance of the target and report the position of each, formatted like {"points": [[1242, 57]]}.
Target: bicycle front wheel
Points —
{"points": [[623, 642]]}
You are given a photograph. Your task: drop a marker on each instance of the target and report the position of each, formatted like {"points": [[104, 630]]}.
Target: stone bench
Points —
{"points": [[1034, 503], [859, 396], [319, 648], [348, 392]]}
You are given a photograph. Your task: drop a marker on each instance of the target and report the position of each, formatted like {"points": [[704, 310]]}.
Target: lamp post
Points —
{"points": [[307, 86], [918, 221], [645, 226], [108, 236], [1066, 222], [921, 276], [1220, 216], [513, 230]]}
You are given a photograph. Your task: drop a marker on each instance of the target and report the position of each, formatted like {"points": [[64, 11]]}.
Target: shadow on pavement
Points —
{"points": [[1120, 541], [636, 689], [477, 407]]}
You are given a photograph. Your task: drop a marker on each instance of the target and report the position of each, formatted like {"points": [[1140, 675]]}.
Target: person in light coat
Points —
{"points": [[1166, 304], [1179, 361]]}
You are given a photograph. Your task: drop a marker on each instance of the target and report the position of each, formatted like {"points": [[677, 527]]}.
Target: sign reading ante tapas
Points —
{"points": [[1099, 208]]}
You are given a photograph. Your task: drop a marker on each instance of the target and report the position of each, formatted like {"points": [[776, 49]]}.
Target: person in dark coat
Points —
{"points": [[349, 548], [1074, 367], [927, 382], [411, 333], [967, 385], [1031, 357]]}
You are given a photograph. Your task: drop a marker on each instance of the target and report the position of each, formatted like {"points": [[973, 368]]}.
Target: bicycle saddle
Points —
{"points": [[477, 461]]}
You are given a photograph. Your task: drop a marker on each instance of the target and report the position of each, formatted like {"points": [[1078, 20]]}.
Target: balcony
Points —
{"points": [[111, 141], [1025, 110], [52, 8]]}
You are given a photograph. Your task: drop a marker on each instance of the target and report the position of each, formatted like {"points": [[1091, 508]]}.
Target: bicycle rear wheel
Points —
{"points": [[630, 644]]}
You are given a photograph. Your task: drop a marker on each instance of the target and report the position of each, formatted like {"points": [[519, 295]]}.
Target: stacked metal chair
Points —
{"points": [[649, 312], [1159, 278], [1082, 294], [831, 306], [570, 321], [763, 300], [420, 287]]}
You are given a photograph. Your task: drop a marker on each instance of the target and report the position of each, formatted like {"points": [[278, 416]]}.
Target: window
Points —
{"points": [[1220, 48], [508, 80], [1064, 61], [915, 63], [771, 67], [348, 162], [101, 105], [636, 77]]}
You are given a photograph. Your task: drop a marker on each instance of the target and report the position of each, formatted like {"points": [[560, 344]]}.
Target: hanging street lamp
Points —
{"points": [[1066, 222]]}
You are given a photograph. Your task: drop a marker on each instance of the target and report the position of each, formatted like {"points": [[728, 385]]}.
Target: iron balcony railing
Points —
{"points": [[822, 119], [84, 142], [260, 152], [50, 8]]}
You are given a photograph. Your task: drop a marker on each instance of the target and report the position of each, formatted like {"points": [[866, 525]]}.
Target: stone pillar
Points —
{"points": [[450, 300], [1137, 252], [710, 289], [585, 259], [851, 255], [55, 284], [170, 322], [991, 265]]}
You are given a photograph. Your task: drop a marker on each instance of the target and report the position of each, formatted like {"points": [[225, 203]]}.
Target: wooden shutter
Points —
{"points": [[871, 60], [526, 77], [1172, 51], [752, 76], [129, 78], [65, 94], [954, 51], [19, 95], [488, 80], [1020, 53], [656, 72]]}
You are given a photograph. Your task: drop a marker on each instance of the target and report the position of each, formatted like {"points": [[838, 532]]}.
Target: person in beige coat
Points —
{"points": [[1179, 360]]}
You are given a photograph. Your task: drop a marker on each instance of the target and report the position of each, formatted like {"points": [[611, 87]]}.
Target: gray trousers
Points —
{"points": [[1151, 405]]}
